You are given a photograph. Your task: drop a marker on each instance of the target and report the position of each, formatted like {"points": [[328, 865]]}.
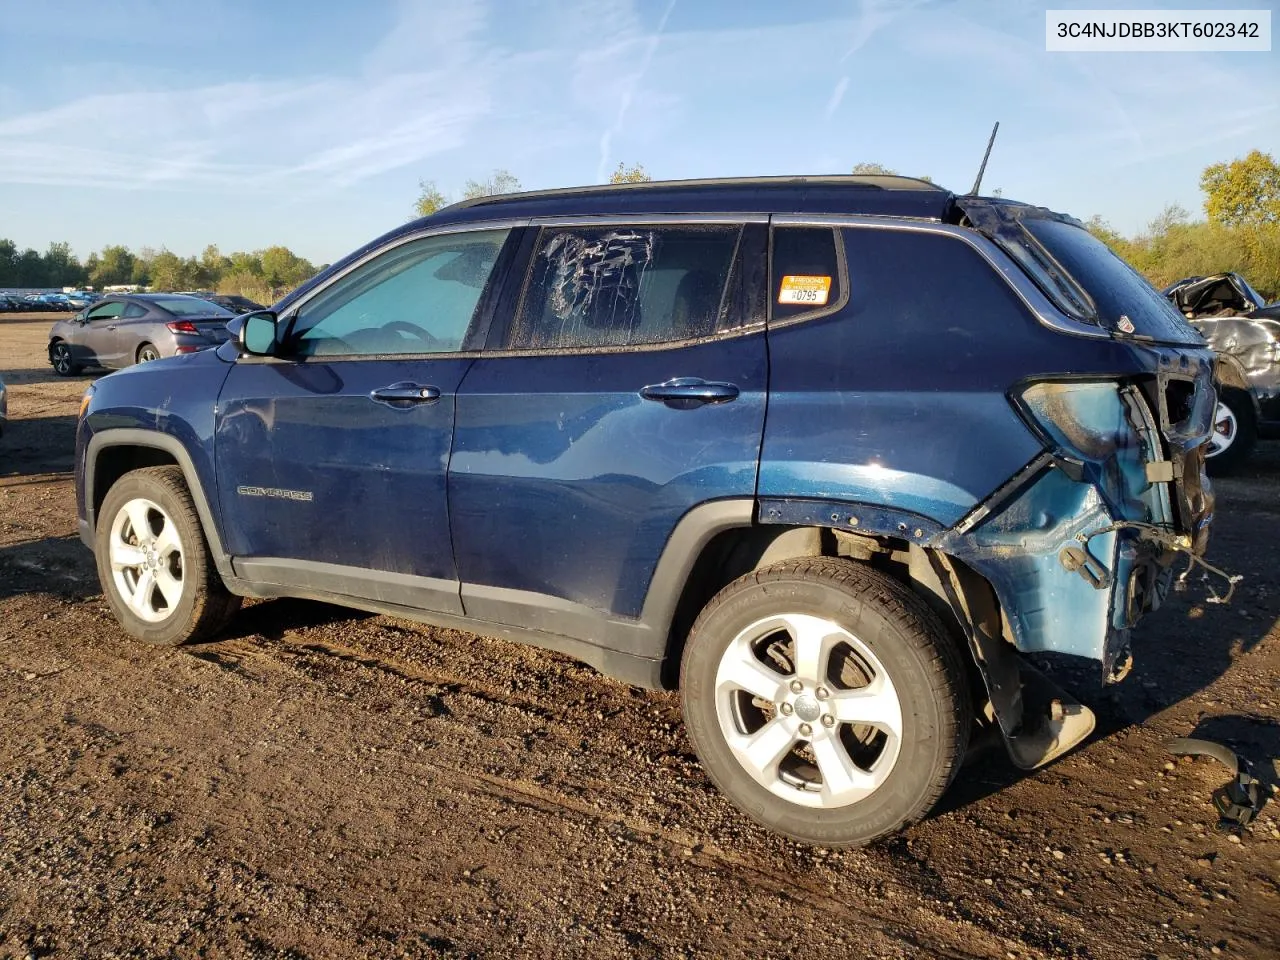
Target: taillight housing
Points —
{"points": [[182, 326]]}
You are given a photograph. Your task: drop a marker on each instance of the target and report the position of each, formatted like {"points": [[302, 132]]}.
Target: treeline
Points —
{"points": [[1173, 247], [261, 275]]}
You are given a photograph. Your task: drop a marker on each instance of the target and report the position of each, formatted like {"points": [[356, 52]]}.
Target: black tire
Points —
{"points": [[924, 664], [1242, 441], [61, 360], [146, 353], [205, 604]]}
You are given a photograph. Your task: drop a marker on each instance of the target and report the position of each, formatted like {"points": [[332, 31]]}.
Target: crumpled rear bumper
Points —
{"points": [[1081, 545]]}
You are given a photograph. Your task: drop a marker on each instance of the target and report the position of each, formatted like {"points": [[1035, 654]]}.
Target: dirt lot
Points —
{"points": [[324, 783]]}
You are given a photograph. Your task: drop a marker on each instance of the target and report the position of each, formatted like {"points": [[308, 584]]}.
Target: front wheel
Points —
{"points": [[153, 562], [826, 700], [1234, 432], [64, 364]]}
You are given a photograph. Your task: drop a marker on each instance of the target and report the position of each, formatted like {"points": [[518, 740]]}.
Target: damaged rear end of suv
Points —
{"points": [[1084, 540]]}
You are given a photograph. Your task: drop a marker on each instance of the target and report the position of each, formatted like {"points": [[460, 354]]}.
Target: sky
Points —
{"points": [[309, 123]]}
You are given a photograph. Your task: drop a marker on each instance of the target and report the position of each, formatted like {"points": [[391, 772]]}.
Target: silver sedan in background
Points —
{"points": [[119, 331]]}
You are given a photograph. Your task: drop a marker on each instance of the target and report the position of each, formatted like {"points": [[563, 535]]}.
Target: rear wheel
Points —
{"points": [[826, 700], [147, 352], [153, 562], [1234, 432], [60, 357]]}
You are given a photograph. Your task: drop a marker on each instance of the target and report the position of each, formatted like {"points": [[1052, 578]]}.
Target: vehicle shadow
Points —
{"points": [[29, 377], [273, 618], [1183, 648], [59, 565], [38, 445]]}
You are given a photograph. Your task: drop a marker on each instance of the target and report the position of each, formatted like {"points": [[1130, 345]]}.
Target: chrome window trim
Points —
{"points": [[649, 219], [1032, 296]]}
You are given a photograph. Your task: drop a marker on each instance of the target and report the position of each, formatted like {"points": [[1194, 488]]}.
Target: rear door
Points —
{"points": [[626, 386]]}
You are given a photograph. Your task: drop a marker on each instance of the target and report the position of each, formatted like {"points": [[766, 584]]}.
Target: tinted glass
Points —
{"points": [[133, 310], [193, 308], [806, 272], [420, 297], [107, 311], [625, 286], [1117, 290]]}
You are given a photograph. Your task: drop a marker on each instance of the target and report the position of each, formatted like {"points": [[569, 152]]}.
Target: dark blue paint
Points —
{"points": [[565, 482], [376, 473], [553, 479]]}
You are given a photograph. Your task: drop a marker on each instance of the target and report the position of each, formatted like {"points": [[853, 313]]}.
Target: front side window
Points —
{"points": [[593, 287], [420, 297], [108, 311]]}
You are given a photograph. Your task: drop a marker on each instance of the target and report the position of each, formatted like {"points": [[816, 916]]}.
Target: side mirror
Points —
{"points": [[256, 332]]}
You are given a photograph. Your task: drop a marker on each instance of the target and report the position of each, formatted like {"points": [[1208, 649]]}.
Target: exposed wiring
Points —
{"points": [[1170, 542]]}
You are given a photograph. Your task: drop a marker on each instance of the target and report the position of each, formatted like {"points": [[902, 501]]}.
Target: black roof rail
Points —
{"points": [[864, 181]]}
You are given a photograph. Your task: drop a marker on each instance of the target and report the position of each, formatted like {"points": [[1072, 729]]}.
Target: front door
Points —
{"points": [[627, 388], [331, 456], [94, 341]]}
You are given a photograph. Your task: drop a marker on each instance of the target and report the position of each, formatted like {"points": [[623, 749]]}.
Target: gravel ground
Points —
{"points": [[326, 783]]}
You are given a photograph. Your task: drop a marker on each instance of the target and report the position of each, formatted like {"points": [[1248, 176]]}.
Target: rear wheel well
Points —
{"points": [[113, 463], [734, 553]]}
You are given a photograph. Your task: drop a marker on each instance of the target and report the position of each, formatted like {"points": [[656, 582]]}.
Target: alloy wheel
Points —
{"points": [[1225, 430], [61, 357], [808, 710], [145, 554]]}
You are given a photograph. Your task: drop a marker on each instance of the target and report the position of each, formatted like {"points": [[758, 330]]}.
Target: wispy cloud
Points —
{"points": [[837, 96], [298, 133], [632, 82]]}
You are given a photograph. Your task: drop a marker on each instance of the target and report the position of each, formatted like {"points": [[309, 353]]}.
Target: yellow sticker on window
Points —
{"points": [[809, 291]]}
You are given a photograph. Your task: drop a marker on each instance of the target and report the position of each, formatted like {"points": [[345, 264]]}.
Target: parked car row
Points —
{"points": [[42, 302], [1244, 333]]}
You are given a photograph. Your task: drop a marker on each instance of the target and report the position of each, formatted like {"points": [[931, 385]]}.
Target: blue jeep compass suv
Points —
{"points": [[830, 455]]}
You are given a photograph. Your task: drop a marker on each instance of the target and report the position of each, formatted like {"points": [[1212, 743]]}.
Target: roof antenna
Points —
{"points": [[983, 169]]}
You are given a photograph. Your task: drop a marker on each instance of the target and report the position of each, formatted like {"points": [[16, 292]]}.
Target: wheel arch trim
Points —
{"points": [[132, 437]]}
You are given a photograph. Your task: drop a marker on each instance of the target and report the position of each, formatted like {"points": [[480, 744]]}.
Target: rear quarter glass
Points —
{"points": [[1126, 303]]}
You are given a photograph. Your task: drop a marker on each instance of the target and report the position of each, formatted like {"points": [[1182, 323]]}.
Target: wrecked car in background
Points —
{"points": [[1244, 332], [985, 439]]}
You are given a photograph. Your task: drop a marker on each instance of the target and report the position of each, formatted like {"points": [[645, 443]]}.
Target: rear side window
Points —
{"points": [[133, 311], [1125, 302], [808, 279], [626, 286], [191, 307]]}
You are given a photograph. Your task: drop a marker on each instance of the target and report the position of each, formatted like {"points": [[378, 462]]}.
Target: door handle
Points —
{"points": [[404, 394], [685, 393]]}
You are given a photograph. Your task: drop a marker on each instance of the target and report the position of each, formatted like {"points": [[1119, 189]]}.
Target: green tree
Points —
{"points": [[430, 199], [213, 264], [62, 267], [115, 266], [632, 174], [873, 169], [1244, 192], [498, 182], [29, 270], [283, 268], [8, 263]]}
